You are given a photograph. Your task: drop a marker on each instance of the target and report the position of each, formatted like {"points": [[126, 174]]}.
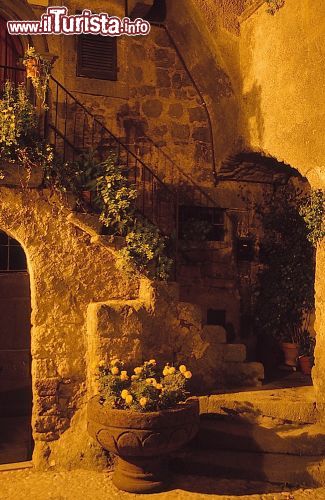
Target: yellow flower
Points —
{"points": [[134, 377], [115, 370], [129, 399], [143, 402], [172, 370], [124, 375], [151, 381], [138, 370], [159, 387], [152, 361], [182, 369], [166, 371], [124, 393], [114, 361], [187, 374]]}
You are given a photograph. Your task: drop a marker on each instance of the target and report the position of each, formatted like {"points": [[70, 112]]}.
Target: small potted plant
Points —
{"points": [[307, 347], [142, 418], [38, 69]]}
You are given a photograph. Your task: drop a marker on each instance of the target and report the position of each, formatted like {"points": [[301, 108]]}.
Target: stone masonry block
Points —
{"points": [[189, 314], [47, 387], [235, 353], [215, 333]]}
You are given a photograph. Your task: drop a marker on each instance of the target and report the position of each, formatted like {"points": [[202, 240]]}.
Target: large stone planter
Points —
{"points": [[142, 441], [16, 176]]}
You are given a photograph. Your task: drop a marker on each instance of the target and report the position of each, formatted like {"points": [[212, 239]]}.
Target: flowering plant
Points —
{"points": [[20, 143], [147, 389]]}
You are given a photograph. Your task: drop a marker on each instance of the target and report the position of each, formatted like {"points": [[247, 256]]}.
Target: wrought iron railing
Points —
{"points": [[74, 130]]}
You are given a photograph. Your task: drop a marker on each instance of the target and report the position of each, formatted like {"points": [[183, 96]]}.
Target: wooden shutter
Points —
{"points": [[97, 57]]}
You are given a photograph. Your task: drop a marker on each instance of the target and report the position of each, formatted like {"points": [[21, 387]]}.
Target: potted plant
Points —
{"points": [[307, 347], [38, 69], [23, 154], [142, 418]]}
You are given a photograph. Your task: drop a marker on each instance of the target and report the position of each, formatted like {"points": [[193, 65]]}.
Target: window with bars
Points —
{"points": [[212, 215], [12, 255], [97, 57]]}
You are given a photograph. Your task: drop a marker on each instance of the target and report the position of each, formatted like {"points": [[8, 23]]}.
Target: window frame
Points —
{"points": [[81, 69]]}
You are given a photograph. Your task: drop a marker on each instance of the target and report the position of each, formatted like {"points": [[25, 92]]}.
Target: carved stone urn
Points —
{"points": [[142, 441]]}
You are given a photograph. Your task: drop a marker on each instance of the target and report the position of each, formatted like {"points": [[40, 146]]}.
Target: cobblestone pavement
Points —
{"points": [[89, 485]]}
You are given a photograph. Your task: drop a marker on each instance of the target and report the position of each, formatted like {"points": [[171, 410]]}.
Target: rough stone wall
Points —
{"points": [[67, 273], [283, 102], [153, 96], [283, 83]]}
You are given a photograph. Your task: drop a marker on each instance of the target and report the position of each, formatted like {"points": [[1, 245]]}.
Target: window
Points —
{"points": [[12, 255], [213, 216], [245, 249], [216, 317], [97, 57]]}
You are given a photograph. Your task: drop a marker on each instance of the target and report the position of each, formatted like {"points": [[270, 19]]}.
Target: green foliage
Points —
{"points": [[40, 77], [17, 116], [284, 297], [274, 6], [146, 251], [148, 389], [116, 196], [19, 139], [196, 230], [307, 345], [312, 209]]}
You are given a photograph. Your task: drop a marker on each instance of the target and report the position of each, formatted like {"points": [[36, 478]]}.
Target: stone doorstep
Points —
{"points": [[268, 436], [295, 405], [271, 467], [16, 466]]}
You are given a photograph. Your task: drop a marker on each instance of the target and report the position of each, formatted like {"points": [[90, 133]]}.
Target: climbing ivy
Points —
{"points": [[312, 209], [284, 296]]}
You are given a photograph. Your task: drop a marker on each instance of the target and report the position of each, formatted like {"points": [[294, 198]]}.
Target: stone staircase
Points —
{"points": [[269, 435], [208, 276], [159, 324]]}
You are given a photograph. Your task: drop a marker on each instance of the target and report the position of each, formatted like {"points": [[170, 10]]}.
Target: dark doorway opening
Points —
{"points": [[16, 443]]}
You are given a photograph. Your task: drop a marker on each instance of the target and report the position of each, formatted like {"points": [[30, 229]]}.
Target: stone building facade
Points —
{"points": [[184, 100]]}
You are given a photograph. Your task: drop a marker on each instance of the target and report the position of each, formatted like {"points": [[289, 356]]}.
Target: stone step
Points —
{"points": [[233, 434], [215, 334], [270, 467], [294, 405], [242, 374]]}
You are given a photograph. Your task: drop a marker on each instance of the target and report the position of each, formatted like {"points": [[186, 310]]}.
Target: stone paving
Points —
{"points": [[89, 485]]}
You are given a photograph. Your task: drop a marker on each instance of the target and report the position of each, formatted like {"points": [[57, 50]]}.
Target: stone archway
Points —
{"points": [[18, 9], [15, 353]]}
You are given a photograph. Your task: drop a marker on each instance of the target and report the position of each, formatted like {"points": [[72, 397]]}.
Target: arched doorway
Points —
{"points": [[15, 353]]}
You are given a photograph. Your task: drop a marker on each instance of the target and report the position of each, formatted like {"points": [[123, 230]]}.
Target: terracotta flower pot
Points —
{"points": [[305, 364], [86, 197], [142, 441], [291, 352], [17, 176]]}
